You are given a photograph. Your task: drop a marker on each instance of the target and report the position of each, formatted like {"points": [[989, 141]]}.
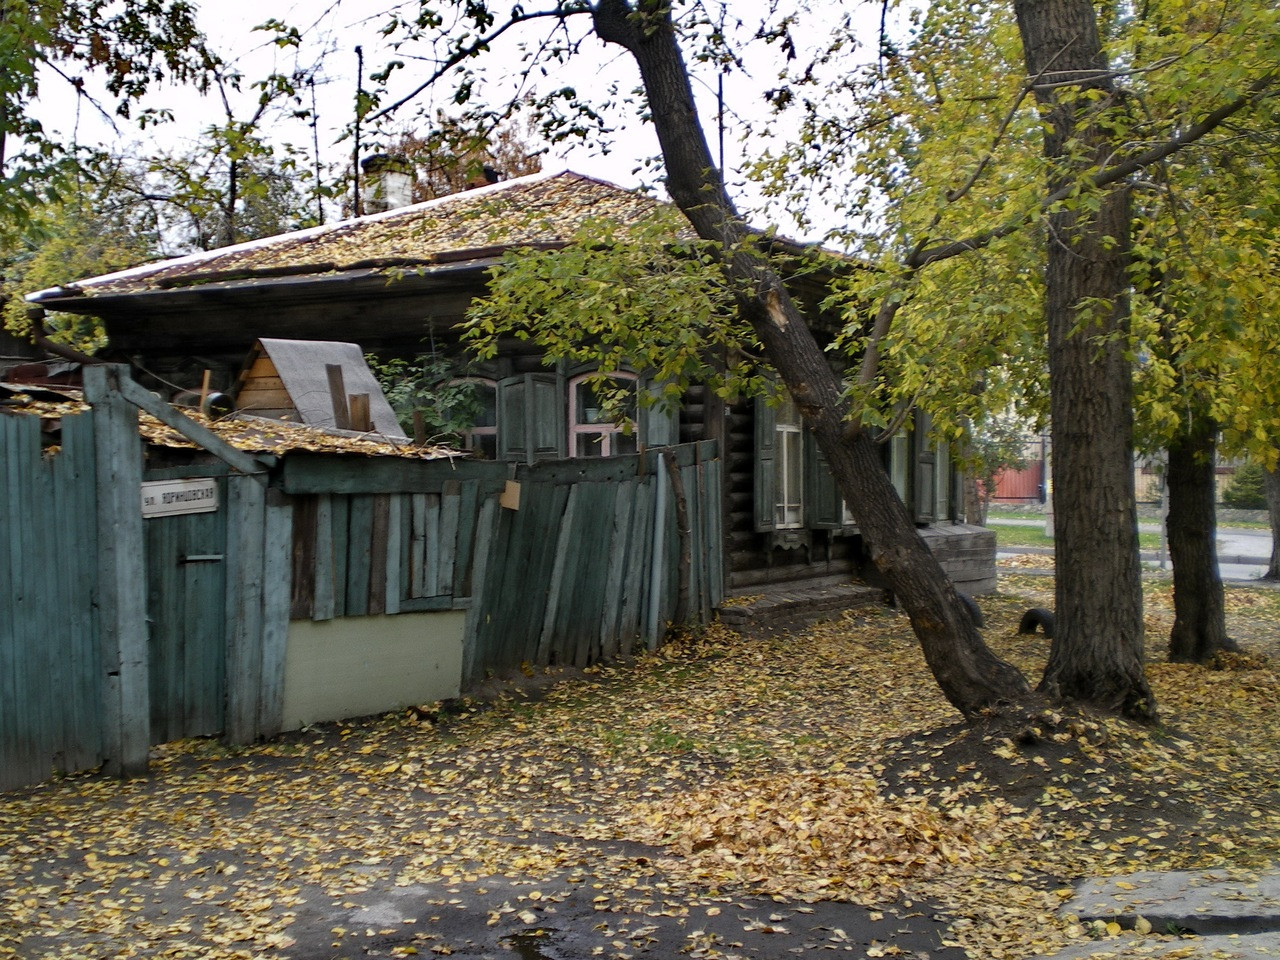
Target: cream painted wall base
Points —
{"points": [[355, 666]]}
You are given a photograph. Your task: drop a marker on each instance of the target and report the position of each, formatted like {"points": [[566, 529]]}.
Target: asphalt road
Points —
{"points": [[1243, 553]]}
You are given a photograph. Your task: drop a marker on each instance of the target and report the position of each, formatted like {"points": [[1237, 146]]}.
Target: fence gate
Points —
{"points": [[186, 603]]}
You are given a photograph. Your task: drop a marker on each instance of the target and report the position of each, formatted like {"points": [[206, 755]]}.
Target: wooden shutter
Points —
{"points": [[823, 506], [765, 493], [531, 417]]}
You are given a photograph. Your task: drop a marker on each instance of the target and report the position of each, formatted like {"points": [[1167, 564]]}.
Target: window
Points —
{"points": [[482, 436], [593, 432], [900, 463], [788, 467]]}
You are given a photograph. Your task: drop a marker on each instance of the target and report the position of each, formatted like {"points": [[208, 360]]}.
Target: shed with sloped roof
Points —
{"points": [[295, 380]]}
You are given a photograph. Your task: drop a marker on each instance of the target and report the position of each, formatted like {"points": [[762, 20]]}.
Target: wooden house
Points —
{"points": [[395, 281]]}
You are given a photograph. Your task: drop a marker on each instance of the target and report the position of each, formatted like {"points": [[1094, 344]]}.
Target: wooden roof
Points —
{"points": [[539, 210]]}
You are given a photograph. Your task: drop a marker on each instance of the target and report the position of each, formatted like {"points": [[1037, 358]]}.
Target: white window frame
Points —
{"points": [[788, 508]]}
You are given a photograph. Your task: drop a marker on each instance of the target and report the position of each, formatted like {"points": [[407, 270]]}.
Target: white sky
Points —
{"points": [[335, 29]]}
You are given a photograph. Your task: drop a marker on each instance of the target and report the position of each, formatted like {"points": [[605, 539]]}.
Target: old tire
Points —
{"points": [[1037, 617]]}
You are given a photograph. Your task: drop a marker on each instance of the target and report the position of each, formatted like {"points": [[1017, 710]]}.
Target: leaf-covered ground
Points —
{"points": [[813, 767]]}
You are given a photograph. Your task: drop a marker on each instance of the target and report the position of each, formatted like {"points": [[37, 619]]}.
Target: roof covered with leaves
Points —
{"points": [[539, 210], [248, 433]]}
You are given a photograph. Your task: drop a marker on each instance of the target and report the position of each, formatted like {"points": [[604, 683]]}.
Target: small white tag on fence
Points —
{"points": [[167, 498]]}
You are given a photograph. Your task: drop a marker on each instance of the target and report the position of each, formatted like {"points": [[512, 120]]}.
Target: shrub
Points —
{"points": [[1245, 491]]}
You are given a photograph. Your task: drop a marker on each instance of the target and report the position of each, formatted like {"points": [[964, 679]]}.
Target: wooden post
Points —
{"points": [[122, 575], [358, 412], [338, 395]]}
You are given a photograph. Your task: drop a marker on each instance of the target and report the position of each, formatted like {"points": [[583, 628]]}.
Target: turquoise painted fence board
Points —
{"points": [[469, 506], [395, 557], [24, 738], [277, 536], [246, 505], [476, 617], [77, 547], [325, 598], [359, 552]]}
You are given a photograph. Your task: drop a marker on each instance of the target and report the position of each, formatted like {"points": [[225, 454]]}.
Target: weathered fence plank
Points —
{"points": [[246, 516], [21, 739], [486, 527], [395, 556], [121, 576], [636, 584], [276, 569], [359, 552], [619, 543], [558, 586], [74, 474], [325, 604], [450, 512], [378, 555]]}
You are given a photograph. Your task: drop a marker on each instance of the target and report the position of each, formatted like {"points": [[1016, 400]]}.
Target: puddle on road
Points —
{"points": [[533, 944]]}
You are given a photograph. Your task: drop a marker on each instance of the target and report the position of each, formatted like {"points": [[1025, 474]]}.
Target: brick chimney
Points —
{"points": [[483, 177], [388, 182]]}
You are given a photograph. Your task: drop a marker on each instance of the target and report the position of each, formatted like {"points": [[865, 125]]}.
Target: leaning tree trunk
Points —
{"points": [[1097, 652], [1271, 484], [971, 677], [1199, 623]]}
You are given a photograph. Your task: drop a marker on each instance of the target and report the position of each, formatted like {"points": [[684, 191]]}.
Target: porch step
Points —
{"points": [[788, 606]]}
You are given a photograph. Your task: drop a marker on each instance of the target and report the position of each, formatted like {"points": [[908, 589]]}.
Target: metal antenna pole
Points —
{"points": [[355, 151], [315, 148]]}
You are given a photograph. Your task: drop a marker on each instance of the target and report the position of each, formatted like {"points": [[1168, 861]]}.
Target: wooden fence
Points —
{"points": [[586, 560], [115, 635], [51, 675]]}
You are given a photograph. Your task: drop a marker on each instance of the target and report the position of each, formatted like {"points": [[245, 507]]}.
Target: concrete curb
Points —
{"points": [[1212, 914]]}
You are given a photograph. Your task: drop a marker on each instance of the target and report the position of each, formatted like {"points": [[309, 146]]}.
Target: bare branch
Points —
{"points": [[477, 46]]}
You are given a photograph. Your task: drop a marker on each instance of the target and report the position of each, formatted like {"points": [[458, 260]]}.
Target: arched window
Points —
{"points": [[592, 431]]}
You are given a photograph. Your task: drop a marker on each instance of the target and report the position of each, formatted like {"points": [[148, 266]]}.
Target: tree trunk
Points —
{"points": [[971, 677], [1097, 652], [1271, 484], [1199, 624], [977, 500]]}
